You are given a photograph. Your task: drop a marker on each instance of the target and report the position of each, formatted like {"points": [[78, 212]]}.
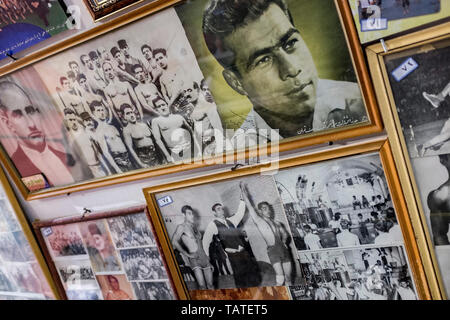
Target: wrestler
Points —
{"points": [[146, 91], [188, 240]]}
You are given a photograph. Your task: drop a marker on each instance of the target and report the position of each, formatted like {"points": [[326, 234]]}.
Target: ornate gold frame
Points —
{"points": [[380, 145], [373, 125], [107, 8], [375, 55], [28, 232]]}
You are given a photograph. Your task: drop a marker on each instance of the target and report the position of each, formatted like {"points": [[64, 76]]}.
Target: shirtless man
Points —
{"points": [[146, 91], [119, 93], [86, 93], [111, 142], [95, 82], [276, 236], [439, 205], [123, 69], [171, 80], [174, 130], [188, 240], [138, 139], [83, 141], [69, 99], [153, 69]]}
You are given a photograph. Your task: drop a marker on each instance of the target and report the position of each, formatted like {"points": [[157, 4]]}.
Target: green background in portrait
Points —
{"points": [[319, 24]]}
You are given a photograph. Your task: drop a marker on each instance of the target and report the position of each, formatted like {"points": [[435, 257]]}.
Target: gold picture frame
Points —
{"points": [[380, 145], [28, 233], [376, 54], [373, 125], [100, 10]]}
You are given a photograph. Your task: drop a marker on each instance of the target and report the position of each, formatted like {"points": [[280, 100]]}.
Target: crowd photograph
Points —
{"points": [[234, 236], [143, 264], [379, 273], [65, 240], [339, 203], [131, 231]]}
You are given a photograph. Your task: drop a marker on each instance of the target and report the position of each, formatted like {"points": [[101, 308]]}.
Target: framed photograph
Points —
{"points": [[258, 227], [377, 19], [413, 87], [24, 274], [117, 104], [100, 9], [24, 23], [106, 256]]}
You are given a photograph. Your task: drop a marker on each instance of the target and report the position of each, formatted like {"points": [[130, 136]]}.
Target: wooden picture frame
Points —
{"points": [[40, 225], [378, 145], [100, 10], [410, 44], [372, 125], [26, 231]]}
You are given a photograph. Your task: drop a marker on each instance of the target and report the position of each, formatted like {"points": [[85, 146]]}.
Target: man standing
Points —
{"points": [[33, 155], [172, 79], [153, 69], [266, 59], [138, 139], [246, 271], [124, 71], [145, 91], [312, 241], [346, 238]]}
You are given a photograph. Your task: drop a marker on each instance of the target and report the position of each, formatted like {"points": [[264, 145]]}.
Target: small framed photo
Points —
{"points": [[258, 227], [377, 19], [119, 104], [100, 9], [413, 87], [106, 256]]}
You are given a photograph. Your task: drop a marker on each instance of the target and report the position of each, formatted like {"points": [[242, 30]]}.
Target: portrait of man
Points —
{"points": [[261, 47]]}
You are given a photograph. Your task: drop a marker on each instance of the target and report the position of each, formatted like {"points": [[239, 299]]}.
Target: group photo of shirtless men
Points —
{"points": [[124, 112]]}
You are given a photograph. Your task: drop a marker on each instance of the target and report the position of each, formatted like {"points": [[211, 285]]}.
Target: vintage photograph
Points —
{"points": [[131, 231], [115, 287], [76, 274], [99, 246], [422, 99], [24, 23], [380, 273], [235, 235], [282, 66], [258, 293], [64, 240], [339, 203], [124, 101], [9, 249], [143, 264], [152, 291], [396, 9]]}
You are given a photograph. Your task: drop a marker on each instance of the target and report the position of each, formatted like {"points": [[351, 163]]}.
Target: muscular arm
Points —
{"points": [[439, 205], [210, 232], [144, 103], [176, 241], [157, 134], [135, 99]]}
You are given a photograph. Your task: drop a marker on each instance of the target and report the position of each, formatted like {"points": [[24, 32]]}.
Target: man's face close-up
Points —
{"points": [[24, 119], [100, 113], [129, 116], [139, 74], [108, 71], [72, 121], [162, 108], [276, 69], [148, 54], [161, 60]]}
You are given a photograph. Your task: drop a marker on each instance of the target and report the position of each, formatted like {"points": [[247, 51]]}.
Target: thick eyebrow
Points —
{"points": [[264, 51]]}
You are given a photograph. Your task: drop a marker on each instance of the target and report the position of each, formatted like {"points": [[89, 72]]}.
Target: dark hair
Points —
{"points": [[156, 100], [390, 213], [215, 206], [185, 208], [6, 86], [203, 83], [146, 46], [96, 103], [109, 277], [374, 214], [81, 76], [383, 226], [61, 79], [159, 50], [68, 111], [307, 227], [93, 54], [360, 215], [81, 58], [337, 215], [122, 43], [73, 62], [272, 212], [135, 66], [125, 106], [222, 17]]}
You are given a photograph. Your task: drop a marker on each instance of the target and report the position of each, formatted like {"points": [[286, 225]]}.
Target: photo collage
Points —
{"points": [[21, 276], [109, 259], [261, 231]]}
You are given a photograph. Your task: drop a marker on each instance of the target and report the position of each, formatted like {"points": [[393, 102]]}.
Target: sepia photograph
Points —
{"points": [[153, 291], [115, 287], [99, 246], [64, 240], [234, 236], [257, 293], [143, 264], [124, 101], [380, 273], [282, 66], [76, 274], [339, 203], [131, 231]]}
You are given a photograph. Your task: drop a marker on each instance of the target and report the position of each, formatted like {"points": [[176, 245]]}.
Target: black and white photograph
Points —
{"points": [[152, 291], [380, 273], [9, 249], [124, 101], [131, 231], [339, 203], [143, 264], [231, 234], [76, 274]]}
